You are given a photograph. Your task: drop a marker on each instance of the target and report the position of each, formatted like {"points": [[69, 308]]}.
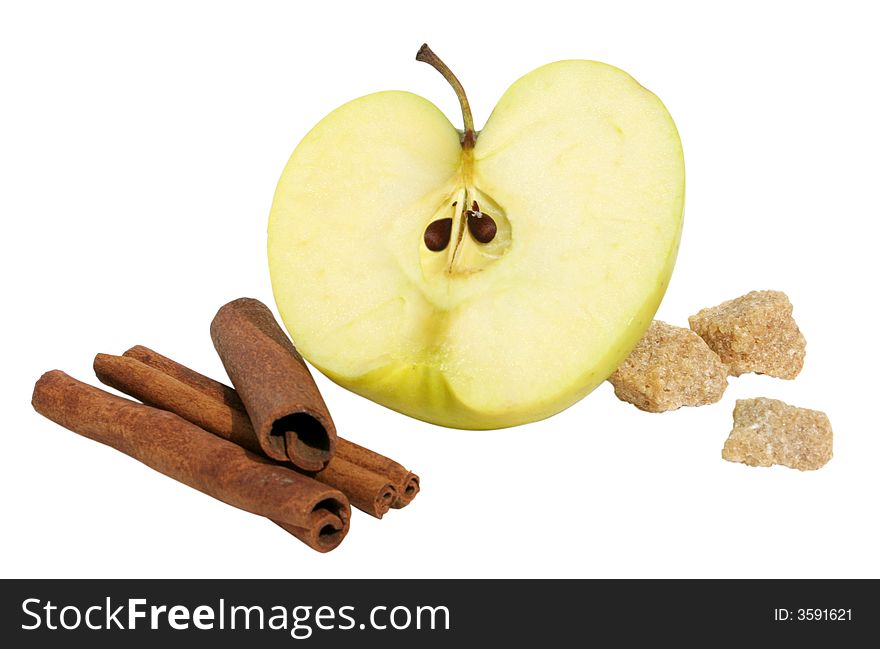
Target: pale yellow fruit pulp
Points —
{"points": [[582, 168]]}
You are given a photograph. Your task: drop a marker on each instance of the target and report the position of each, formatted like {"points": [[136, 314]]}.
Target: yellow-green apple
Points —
{"points": [[480, 279]]}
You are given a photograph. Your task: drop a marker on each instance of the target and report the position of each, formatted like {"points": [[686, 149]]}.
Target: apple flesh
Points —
{"points": [[580, 168]]}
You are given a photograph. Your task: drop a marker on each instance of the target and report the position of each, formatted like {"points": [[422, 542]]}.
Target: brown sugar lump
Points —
{"points": [[670, 367], [767, 431], [754, 333]]}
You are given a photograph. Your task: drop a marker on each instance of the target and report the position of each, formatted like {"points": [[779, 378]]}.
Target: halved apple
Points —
{"points": [[480, 280]]}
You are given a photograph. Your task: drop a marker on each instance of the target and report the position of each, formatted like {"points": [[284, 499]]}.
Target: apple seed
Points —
{"points": [[481, 225], [438, 233]]}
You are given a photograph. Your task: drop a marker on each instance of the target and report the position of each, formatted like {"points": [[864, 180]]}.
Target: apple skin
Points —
{"points": [[333, 168], [424, 393]]}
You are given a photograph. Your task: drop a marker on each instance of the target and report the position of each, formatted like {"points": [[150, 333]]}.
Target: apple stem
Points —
{"points": [[426, 55]]}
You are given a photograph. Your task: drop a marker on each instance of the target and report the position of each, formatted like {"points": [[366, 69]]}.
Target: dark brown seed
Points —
{"points": [[482, 226], [475, 207], [437, 234]]}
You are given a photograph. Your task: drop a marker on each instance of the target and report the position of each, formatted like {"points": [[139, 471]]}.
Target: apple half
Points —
{"points": [[480, 279]]}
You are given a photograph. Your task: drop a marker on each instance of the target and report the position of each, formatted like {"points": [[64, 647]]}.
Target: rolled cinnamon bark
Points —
{"points": [[214, 389], [370, 492], [274, 384], [161, 390], [405, 482], [313, 512], [170, 386]]}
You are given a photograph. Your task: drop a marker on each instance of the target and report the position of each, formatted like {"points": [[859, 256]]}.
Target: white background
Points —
{"points": [[139, 151]]}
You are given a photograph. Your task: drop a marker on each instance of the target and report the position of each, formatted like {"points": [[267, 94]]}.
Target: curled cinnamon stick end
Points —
{"points": [[274, 384], [166, 384], [368, 491], [406, 482], [315, 513], [408, 490], [326, 529]]}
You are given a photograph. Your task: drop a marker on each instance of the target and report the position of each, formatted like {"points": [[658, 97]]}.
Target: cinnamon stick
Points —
{"points": [[170, 386], [162, 390], [274, 384], [313, 512], [405, 482], [214, 389]]}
